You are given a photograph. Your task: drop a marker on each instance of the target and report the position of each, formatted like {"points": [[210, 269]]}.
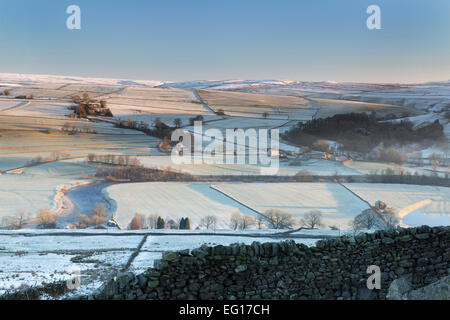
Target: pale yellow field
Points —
{"points": [[253, 104], [331, 107]]}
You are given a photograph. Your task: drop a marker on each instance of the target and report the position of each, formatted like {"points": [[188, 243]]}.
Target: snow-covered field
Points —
{"points": [[337, 205], [33, 258], [172, 200], [416, 205], [378, 168], [255, 105]]}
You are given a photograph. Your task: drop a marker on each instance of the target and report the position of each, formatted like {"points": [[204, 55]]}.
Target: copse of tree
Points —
{"points": [[6, 92], [312, 220], [46, 219], [141, 174], [97, 217], [361, 132], [159, 128], [15, 223], [279, 219], [85, 107]]}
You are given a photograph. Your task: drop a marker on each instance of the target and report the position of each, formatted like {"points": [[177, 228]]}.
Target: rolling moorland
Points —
{"points": [[87, 179]]}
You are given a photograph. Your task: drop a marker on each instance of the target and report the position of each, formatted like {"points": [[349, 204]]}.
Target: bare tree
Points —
{"points": [[172, 224], [279, 219], [260, 221], [209, 222], [312, 219], [152, 221], [368, 219], [246, 221], [98, 213], [234, 220]]}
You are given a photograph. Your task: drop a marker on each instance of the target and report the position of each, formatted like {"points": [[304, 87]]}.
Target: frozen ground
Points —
{"points": [[33, 258], [32, 261]]}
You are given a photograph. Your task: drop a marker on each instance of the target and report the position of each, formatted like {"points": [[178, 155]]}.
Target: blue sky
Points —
{"points": [[177, 40]]}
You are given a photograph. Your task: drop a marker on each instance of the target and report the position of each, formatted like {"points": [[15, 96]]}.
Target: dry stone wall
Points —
{"points": [[333, 269]]}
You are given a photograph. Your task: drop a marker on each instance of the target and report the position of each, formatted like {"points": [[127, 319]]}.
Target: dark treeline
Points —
{"points": [[362, 132], [136, 174], [159, 129], [141, 174]]}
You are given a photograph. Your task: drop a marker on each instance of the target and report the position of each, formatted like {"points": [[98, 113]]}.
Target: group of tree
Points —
{"points": [[84, 107], [279, 219], [141, 174], [240, 221], [17, 222], [140, 222], [361, 132], [24, 97], [389, 154], [158, 129], [96, 219], [208, 222], [114, 160], [46, 219], [73, 128], [406, 177]]}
